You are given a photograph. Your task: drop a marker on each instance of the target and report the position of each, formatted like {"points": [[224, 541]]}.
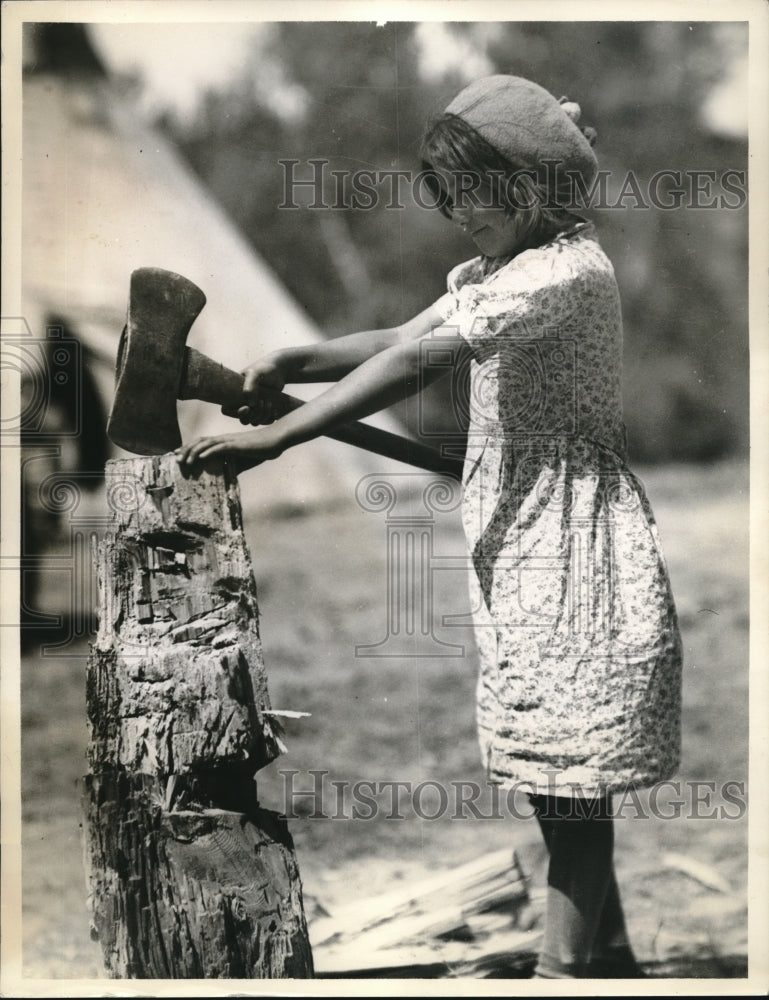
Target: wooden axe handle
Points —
{"points": [[208, 380]]}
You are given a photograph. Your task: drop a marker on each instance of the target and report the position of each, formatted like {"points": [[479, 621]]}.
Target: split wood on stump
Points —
{"points": [[188, 877]]}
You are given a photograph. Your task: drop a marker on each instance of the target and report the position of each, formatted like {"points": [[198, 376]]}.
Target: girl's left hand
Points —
{"points": [[248, 448]]}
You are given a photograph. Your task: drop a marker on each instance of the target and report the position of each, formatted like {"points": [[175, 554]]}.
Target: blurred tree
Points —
{"points": [[363, 105]]}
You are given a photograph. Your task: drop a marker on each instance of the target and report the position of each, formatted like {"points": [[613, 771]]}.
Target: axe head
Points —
{"points": [[162, 306]]}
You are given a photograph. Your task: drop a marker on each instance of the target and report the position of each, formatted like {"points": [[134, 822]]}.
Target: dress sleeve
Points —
{"points": [[531, 297]]}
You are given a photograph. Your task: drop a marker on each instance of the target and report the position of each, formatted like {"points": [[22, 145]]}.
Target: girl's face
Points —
{"points": [[496, 232]]}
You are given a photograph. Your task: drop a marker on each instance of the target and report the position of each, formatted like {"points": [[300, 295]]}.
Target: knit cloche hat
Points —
{"points": [[526, 124]]}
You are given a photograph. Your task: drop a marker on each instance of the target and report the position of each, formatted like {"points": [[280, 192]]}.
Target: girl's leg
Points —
{"points": [[612, 955], [611, 952], [580, 838]]}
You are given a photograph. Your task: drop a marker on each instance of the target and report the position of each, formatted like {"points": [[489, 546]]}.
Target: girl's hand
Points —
{"points": [[247, 448], [257, 407]]}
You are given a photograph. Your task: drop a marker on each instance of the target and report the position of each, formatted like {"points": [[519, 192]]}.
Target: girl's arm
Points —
{"points": [[333, 359], [388, 376], [324, 362]]}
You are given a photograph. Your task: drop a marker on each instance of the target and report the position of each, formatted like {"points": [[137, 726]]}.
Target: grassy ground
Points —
{"points": [[322, 586]]}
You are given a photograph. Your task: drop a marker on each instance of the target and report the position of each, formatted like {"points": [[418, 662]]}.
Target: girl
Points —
{"points": [[579, 686]]}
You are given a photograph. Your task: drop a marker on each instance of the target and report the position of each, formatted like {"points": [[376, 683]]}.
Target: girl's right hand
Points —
{"points": [[246, 448], [257, 406]]}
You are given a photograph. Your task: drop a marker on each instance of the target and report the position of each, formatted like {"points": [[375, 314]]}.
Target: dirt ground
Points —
{"points": [[321, 579]]}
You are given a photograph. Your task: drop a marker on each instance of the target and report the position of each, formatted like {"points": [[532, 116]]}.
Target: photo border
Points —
{"points": [[15, 13]]}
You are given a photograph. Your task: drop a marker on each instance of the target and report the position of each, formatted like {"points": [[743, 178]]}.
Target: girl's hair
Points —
{"points": [[452, 145]]}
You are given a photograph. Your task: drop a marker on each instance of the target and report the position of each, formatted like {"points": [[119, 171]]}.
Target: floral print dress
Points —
{"points": [[579, 690]]}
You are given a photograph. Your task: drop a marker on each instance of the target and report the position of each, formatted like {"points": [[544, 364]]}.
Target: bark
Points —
{"points": [[195, 893], [188, 876]]}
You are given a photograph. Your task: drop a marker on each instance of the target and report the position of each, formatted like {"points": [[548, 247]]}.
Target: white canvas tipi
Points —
{"points": [[104, 194]]}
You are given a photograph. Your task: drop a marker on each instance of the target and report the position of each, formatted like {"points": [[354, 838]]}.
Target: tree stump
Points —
{"points": [[188, 876]]}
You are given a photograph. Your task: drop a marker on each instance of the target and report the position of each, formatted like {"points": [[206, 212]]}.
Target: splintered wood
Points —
{"points": [[465, 920], [188, 877]]}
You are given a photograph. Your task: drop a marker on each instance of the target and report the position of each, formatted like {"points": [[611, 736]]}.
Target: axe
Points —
{"points": [[155, 368]]}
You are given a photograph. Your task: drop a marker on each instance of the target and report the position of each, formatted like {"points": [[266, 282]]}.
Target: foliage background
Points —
{"points": [[359, 95]]}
